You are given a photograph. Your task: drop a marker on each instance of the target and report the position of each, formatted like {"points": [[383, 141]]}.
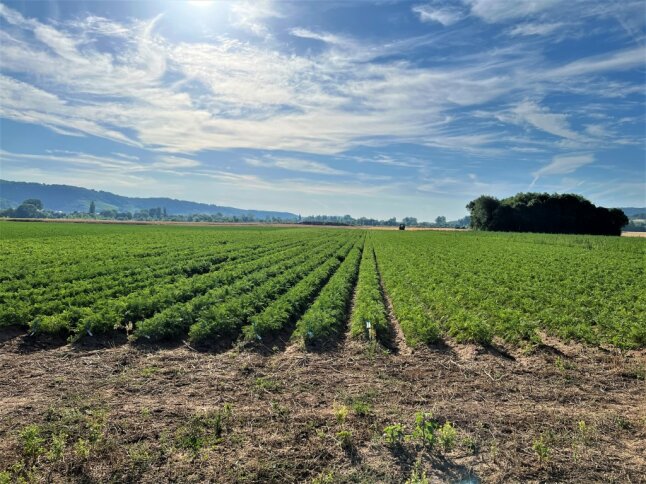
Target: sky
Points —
{"points": [[379, 109]]}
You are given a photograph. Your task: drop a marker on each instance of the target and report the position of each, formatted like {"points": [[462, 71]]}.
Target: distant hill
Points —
{"points": [[631, 212], [66, 198]]}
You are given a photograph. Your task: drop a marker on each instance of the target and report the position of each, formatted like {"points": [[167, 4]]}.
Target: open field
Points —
{"points": [[244, 354]]}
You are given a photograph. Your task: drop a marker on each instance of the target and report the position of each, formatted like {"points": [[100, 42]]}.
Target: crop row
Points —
{"points": [[369, 317], [19, 310], [223, 310], [474, 287], [139, 305], [324, 320]]}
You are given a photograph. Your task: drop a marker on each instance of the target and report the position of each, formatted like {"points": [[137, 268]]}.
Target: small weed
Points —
{"points": [[418, 475], [425, 429], [622, 422], [82, 448], [279, 410], [344, 438], [139, 453], [57, 447], [446, 436], [32, 441], [323, 478], [470, 444], [394, 434], [148, 371], [203, 430], [341, 413], [5, 477], [542, 449], [563, 364], [361, 408], [266, 384]]}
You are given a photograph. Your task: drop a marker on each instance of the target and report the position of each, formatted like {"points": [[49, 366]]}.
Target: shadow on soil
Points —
{"points": [[449, 470]]}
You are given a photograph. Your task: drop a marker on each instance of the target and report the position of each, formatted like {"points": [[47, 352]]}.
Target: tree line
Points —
{"points": [[541, 212]]}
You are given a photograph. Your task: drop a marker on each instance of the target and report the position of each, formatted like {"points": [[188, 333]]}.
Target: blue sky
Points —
{"points": [[378, 109]]}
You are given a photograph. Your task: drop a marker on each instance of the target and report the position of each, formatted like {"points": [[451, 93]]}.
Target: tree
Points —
{"points": [[441, 220], [26, 210], [482, 212], [92, 210], [541, 212], [411, 221], [35, 202]]}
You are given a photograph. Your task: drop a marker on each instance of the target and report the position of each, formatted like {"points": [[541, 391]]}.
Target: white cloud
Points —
{"points": [[444, 15], [493, 11], [251, 15], [563, 165], [536, 28], [172, 162], [326, 37], [228, 93], [294, 164], [541, 118], [622, 60]]}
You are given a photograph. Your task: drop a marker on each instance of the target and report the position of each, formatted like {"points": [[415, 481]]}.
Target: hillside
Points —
{"points": [[66, 198]]}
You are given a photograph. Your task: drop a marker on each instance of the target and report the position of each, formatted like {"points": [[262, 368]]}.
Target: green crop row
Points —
{"points": [[369, 317], [324, 320], [179, 318], [229, 317], [278, 315], [478, 286]]}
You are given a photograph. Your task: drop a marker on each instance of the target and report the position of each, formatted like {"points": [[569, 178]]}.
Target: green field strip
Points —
{"points": [[324, 320], [125, 263], [85, 293], [288, 308], [485, 285], [20, 312], [140, 305], [228, 318], [177, 319], [369, 317]]}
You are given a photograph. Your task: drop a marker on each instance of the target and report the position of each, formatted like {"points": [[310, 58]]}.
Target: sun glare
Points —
{"points": [[200, 3]]}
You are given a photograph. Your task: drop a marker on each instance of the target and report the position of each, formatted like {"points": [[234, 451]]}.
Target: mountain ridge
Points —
{"points": [[69, 198]]}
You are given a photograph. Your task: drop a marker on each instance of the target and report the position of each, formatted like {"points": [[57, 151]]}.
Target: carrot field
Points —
{"points": [[161, 353], [216, 285]]}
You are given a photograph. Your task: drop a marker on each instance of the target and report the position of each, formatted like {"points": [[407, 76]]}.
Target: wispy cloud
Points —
{"points": [[445, 15], [502, 10], [536, 28], [563, 165], [294, 164]]}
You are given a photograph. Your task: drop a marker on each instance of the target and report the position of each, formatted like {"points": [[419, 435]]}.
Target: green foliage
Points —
{"points": [[163, 282], [476, 286], [446, 436], [344, 437], [203, 430], [369, 318], [425, 429], [394, 434], [541, 449], [418, 475], [324, 319], [32, 441], [541, 212], [341, 413]]}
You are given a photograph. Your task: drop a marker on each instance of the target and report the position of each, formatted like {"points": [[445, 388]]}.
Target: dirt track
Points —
{"points": [[286, 406]]}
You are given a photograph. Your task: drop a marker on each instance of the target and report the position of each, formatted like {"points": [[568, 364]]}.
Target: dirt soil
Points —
{"points": [[560, 412]]}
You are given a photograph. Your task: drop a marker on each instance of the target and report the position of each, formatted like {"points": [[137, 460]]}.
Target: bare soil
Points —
{"points": [[146, 413]]}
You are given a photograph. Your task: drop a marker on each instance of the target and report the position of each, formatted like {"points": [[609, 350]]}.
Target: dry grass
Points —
{"points": [[287, 407]]}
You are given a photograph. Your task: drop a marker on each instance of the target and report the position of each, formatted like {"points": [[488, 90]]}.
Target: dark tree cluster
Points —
{"points": [[541, 212]]}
